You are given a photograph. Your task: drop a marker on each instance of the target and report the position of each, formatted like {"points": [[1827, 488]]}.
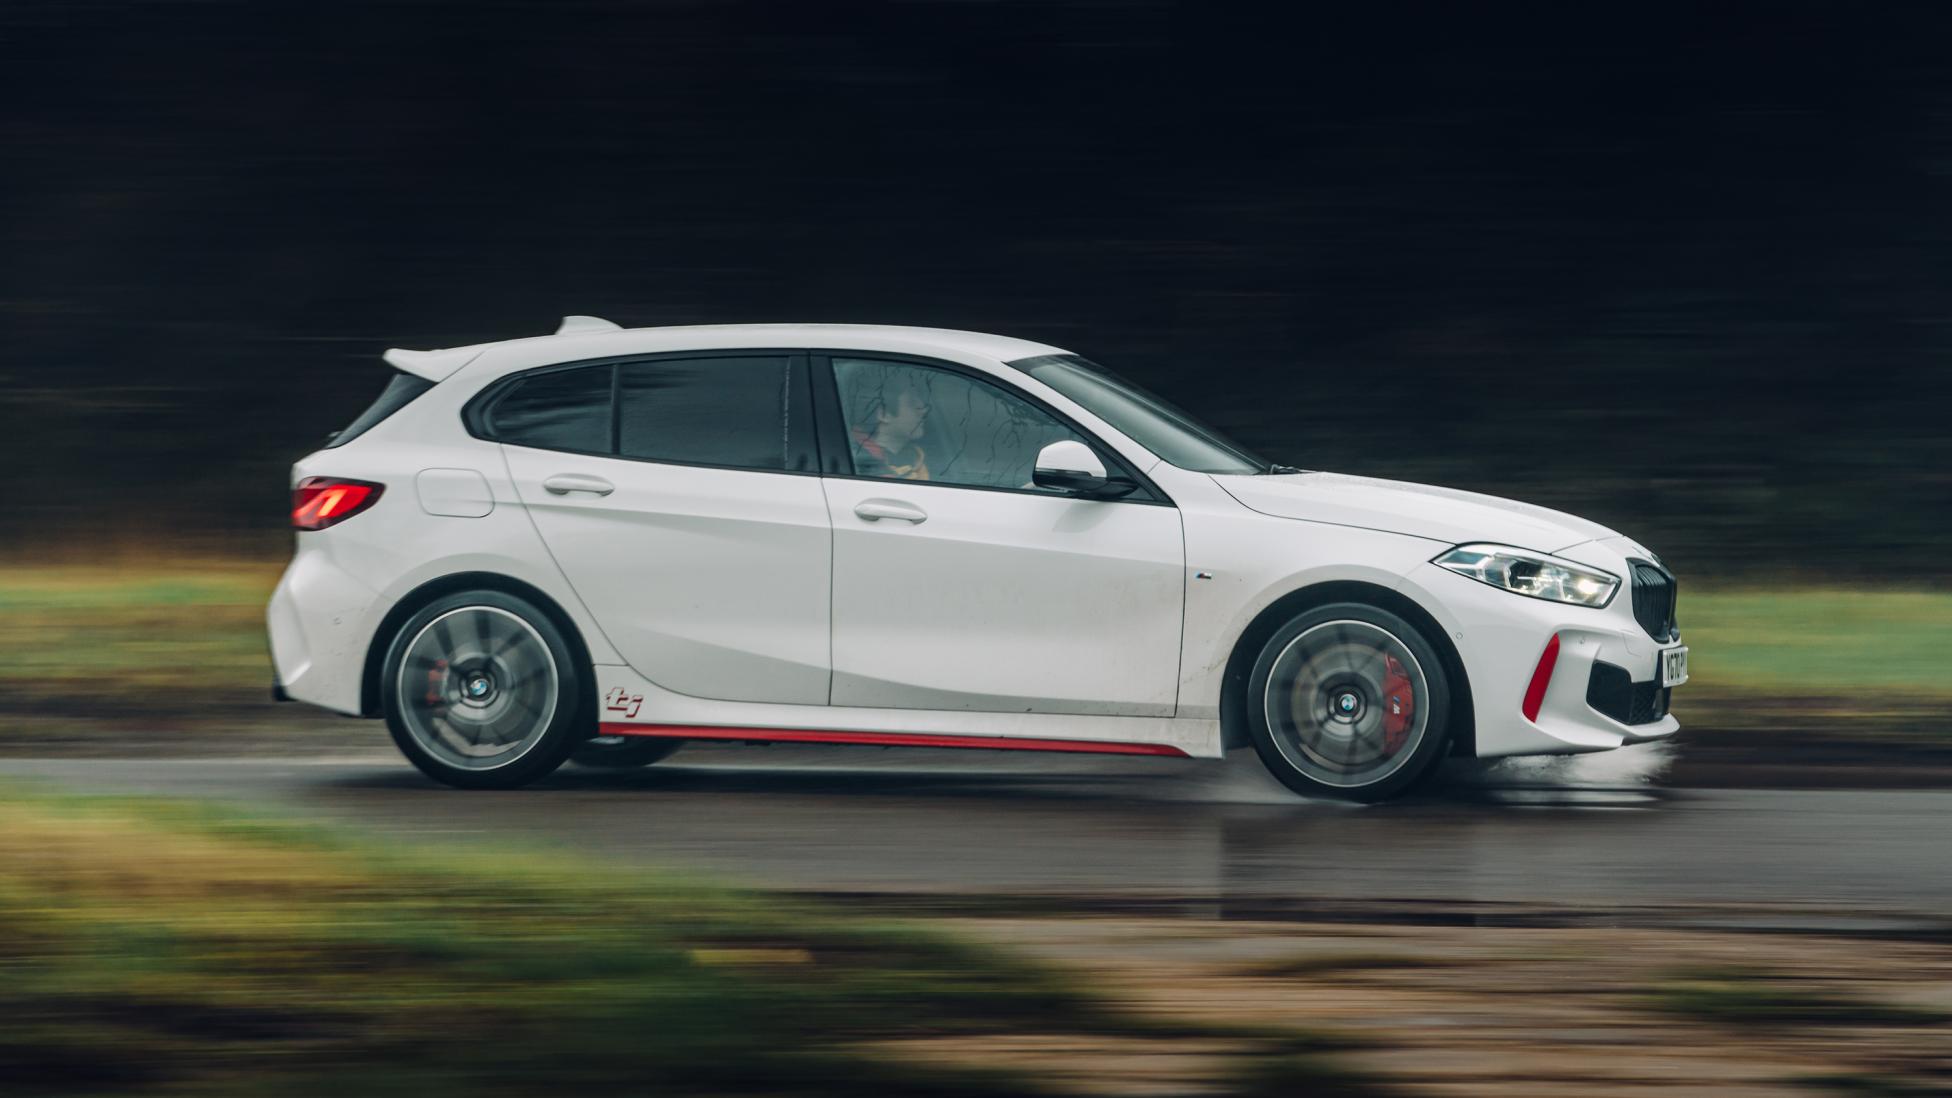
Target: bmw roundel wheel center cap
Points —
{"points": [[480, 686], [1346, 704]]}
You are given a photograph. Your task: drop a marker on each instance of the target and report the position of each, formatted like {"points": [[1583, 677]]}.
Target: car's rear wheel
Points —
{"points": [[1349, 701], [482, 691], [622, 752]]}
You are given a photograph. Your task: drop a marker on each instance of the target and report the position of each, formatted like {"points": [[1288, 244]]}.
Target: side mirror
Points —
{"points": [[1070, 466]]}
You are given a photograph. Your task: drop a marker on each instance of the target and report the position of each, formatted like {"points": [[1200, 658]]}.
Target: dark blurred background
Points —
{"points": [[1684, 270]]}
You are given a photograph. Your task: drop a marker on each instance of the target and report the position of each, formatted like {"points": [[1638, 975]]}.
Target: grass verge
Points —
{"points": [[1820, 641], [169, 948], [164, 640], [1748, 998], [184, 640]]}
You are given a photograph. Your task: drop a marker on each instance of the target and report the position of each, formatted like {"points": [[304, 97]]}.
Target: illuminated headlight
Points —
{"points": [[1533, 575]]}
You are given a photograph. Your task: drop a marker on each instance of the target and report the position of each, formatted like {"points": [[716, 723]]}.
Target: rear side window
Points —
{"points": [[560, 410], [400, 391], [748, 412]]}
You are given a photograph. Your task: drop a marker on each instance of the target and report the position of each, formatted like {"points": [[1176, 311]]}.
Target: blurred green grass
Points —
{"points": [[1748, 997], [1819, 640], [182, 638], [173, 948], [101, 640]]}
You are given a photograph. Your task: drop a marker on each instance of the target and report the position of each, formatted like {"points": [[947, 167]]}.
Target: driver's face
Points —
{"points": [[907, 416]]}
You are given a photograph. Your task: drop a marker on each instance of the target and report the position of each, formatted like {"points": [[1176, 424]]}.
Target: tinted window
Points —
{"points": [[748, 412], [399, 392], [562, 410], [909, 422]]}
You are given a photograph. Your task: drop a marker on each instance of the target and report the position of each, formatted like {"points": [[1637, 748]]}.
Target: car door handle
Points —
{"points": [[873, 510], [563, 484]]}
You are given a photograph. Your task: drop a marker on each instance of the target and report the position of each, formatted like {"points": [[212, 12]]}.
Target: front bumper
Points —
{"points": [[1500, 637]]}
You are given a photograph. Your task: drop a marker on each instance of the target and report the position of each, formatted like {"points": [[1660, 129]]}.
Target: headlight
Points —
{"points": [[1533, 575]]}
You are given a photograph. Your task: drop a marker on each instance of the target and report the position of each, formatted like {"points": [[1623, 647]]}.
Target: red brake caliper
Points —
{"points": [[1399, 705], [435, 676]]}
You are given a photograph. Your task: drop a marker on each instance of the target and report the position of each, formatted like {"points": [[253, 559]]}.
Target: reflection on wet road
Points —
{"points": [[847, 820]]}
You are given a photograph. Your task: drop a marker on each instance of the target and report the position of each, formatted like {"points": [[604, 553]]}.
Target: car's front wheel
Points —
{"points": [[482, 691], [1349, 701]]}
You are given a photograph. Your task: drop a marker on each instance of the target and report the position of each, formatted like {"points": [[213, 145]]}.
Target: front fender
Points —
{"points": [[1239, 565]]}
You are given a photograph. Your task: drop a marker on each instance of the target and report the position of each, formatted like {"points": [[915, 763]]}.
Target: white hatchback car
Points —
{"points": [[602, 543]]}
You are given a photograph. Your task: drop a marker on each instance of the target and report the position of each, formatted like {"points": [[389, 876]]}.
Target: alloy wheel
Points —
{"points": [[1347, 703], [477, 687]]}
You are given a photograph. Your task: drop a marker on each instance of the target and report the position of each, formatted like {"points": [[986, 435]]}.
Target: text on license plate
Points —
{"points": [[1674, 666]]}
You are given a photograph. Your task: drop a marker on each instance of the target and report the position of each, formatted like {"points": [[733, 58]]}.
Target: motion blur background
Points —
{"points": [[1684, 270]]}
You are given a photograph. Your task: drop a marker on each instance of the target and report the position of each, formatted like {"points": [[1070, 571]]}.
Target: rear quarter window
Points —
{"points": [[559, 410]]}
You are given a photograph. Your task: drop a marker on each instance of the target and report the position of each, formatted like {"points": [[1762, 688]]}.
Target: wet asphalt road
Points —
{"points": [[1563, 832]]}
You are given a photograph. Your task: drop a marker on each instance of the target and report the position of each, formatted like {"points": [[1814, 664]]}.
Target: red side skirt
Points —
{"points": [[884, 739]]}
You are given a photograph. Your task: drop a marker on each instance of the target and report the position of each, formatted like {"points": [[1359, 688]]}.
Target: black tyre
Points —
{"points": [[622, 752], [1349, 701], [482, 691]]}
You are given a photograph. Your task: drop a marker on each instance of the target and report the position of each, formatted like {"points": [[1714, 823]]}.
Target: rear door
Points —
{"points": [[680, 497], [957, 583]]}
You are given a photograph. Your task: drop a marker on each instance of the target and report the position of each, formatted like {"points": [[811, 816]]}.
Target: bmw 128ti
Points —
{"points": [[600, 544]]}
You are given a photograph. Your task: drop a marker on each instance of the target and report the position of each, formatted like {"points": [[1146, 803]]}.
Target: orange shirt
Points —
{"points": [[881, 464]]}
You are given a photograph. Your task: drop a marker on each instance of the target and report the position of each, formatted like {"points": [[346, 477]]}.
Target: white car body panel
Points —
{"points": [[1250, 570], [1005, 601], [712, 599], [454, 493], [1420, 510], [343, 582], [623, 692], [709, 582], [1500, 646]]}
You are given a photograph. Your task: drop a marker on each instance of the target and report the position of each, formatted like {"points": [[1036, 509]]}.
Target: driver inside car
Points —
{"points": [[886, 441]]}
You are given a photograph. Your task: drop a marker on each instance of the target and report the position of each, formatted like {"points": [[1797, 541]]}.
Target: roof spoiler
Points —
{"points": [[435, 366], [438, 366]]}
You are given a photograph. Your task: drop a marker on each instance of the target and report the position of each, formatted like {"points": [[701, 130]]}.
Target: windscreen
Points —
{"points": [[400, 391], [1147, 420]]}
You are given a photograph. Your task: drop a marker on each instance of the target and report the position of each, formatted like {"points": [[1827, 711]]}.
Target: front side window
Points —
{"points": [[911, 422], [747, 412], [558, 410]]}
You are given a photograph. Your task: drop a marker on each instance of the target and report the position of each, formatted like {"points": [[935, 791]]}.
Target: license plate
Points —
{"points": [[1674, 666]]}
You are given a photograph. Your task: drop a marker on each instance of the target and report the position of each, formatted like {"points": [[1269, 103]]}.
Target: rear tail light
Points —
{"points": [[319, 502]]}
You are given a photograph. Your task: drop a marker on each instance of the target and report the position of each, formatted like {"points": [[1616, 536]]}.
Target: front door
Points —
{"points": [[957, 584], [679, 497]]}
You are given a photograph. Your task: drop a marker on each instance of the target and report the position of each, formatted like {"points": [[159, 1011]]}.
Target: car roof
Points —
{"points": [[591, 337]]}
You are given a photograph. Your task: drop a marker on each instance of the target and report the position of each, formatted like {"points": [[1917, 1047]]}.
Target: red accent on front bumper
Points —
{"points": [[884, 739], [1541, 678]]}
